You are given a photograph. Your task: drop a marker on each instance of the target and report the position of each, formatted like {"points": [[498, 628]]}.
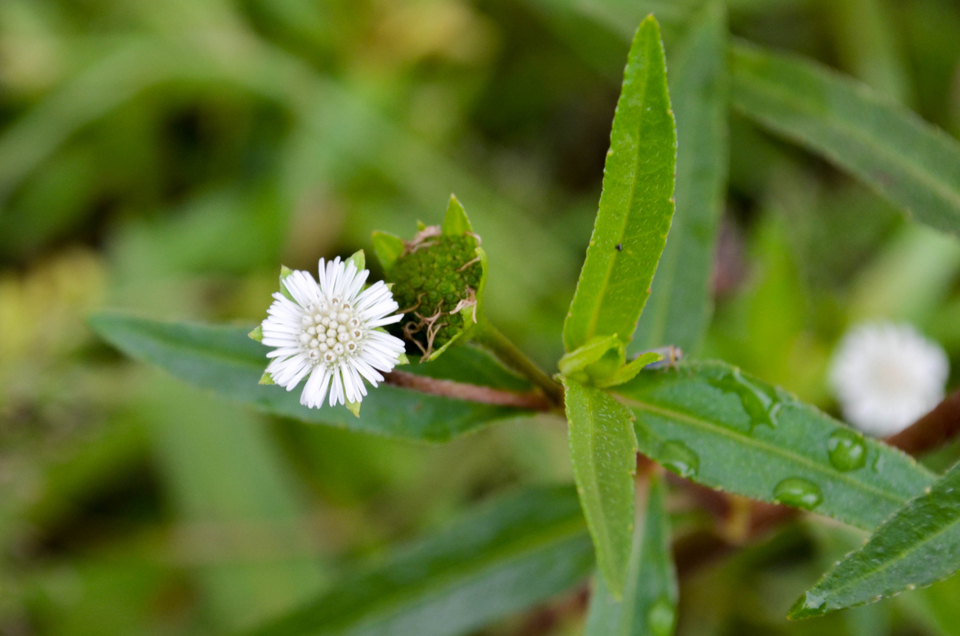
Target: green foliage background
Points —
{"points": [[165, 156]]}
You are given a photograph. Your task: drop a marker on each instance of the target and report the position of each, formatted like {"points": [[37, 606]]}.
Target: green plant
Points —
{"points": [[707, 422]]}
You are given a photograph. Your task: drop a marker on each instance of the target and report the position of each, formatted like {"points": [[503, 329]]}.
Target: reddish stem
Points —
{"points": [[470, 392]]}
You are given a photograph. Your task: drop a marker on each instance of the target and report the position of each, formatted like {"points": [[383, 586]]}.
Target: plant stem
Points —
{"points": [[490, 337], [459, 391]]}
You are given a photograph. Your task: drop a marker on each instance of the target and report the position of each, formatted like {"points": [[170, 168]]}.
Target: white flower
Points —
{"points": [[886, 376], [329, 333]]}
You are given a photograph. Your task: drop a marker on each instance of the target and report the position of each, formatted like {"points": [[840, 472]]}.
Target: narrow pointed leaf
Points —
{"points": [[510, 555], [226, 361], [603, 450], [388, 249], [456, 223], [358, 259], [649, 605], [582, 357], [630, 370], [902, 157], [681, 303], [636, 204], [720, 427], [917, 546]]}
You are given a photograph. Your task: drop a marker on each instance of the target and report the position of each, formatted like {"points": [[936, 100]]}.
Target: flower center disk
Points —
{"points": [[331, 332]]}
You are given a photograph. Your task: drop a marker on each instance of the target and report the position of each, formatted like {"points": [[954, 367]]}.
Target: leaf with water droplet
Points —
{"points": [[662, 617], [649, 604], [677, 457], [847, 450], [917, 546], [761, 403], [695, 404], [798, 492]]}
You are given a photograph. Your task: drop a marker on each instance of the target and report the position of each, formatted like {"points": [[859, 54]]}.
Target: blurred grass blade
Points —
{"points": [[636, 204], [917, 546], [225, 360], [866, 40], [603, 450], [905, 159], [719, 427], [680, 305], [936, 606], [649, 606], [908, 280], [241, 519], [507, 556]]}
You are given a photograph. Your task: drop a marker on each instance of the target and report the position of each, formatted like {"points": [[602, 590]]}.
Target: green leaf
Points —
{"points": [[456, 222], [284, 272], [510, 555], [589, 353], [225, 360], [630, 370], [905, 159], [720, 427], [388, 249], [603, 450], [679, 308], [649, 605], [917, 546], [256, 334], [636, 204], [358, 259]]}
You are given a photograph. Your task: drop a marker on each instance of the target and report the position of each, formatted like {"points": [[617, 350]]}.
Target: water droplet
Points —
{"points": [[661, 617], [878, 463], [813, 601], [798, 492], [677, 457], [847, 449], [761, 403]]}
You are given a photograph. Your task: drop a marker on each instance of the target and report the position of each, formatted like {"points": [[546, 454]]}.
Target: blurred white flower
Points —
{"points": [[329, 333], [886, 376]]}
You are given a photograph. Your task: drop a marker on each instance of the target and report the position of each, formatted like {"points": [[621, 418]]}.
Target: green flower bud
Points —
{"points": [[437, 278]]}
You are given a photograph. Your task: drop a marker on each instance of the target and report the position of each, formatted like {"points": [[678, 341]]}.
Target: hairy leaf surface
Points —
{"points": [[649, 605], [680, 305], [636, 204], [603, 449], [918, 546]]}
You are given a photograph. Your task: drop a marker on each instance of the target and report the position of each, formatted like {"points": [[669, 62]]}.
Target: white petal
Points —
{"points": [[316, 387], [371, 374], [388, 320], [356, 284], [302, 287], [336, 389]]}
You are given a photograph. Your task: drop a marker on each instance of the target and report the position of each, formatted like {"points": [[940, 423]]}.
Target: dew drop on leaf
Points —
{"points": [[677, 457], [798, 492], [760, 403], [662, 617], [847, 450]]}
